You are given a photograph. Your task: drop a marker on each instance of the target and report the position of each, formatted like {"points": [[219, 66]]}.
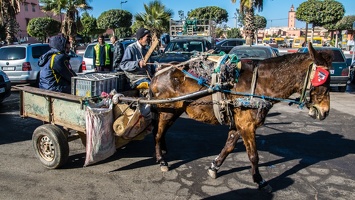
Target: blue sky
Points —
{"points": [[275, 11]]}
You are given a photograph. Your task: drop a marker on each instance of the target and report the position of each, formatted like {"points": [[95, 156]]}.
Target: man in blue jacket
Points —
{"points": [[133, 64], [56, 72]]}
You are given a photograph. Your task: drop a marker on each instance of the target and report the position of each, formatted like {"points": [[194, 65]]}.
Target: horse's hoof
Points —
{"points": [[265, 187], [212, 173], [164, 167]]}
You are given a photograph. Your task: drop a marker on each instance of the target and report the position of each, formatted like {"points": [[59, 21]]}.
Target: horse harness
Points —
{"points": [[316, 76]]}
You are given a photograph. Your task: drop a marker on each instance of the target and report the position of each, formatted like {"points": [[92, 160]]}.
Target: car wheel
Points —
{"points": [[352, 76], [342, 88], [50, 145]]}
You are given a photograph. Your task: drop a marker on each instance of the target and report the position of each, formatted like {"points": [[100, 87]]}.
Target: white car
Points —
{"points": [[20, 62], [88, 63]]}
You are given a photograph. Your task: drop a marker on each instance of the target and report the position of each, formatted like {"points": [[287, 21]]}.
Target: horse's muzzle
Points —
{"points": [[317, 113]]}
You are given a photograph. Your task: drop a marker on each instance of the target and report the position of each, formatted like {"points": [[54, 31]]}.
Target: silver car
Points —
{"points": [[20, 62]]}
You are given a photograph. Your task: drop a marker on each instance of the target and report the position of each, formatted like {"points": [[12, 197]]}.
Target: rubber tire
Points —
{"points": [[342, 88], [352, 76], [51, 135]]}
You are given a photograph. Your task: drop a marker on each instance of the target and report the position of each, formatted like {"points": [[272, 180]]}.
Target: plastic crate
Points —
{"points": [[91, 85]]}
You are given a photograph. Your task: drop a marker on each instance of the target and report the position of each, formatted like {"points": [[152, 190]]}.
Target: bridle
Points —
{"points": [[316, 76]]}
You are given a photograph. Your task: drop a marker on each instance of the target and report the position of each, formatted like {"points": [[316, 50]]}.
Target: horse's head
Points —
{"points": [[318, 101]]}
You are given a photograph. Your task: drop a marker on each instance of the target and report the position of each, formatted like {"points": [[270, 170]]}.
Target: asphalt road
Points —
{"points": [[301, 158]]}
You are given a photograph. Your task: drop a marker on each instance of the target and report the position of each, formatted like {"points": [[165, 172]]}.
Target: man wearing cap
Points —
{"points": [[133, 64]]}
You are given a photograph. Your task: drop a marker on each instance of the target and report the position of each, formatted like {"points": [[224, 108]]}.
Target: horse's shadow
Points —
{"points": [[186, 144]]}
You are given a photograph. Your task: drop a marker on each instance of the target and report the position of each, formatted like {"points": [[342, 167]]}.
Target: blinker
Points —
{"points": [[320, 77]]}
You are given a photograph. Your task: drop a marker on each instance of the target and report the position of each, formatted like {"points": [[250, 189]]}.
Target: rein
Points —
{"points": [[219, 88]]}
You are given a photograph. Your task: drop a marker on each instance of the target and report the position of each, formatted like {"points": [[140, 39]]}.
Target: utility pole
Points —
{"points": [[236, 20]]}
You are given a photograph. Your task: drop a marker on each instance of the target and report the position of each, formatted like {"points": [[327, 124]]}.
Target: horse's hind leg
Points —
{"points": [[250, 145], [233, 136]]}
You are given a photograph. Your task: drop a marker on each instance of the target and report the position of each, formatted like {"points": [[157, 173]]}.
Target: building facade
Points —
{"points": [[30, 9]]}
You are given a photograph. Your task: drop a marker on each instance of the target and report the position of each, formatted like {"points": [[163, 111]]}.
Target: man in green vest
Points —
{"points": [[102, 57]]}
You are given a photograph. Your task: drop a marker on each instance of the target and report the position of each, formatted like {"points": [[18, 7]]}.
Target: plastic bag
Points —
{"points": [[100, 140]]}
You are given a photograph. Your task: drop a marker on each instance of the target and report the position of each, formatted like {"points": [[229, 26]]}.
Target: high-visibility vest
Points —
{"points": [[107, 54]]}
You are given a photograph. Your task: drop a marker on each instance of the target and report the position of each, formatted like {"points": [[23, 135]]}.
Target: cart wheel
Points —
{"points": [[50, 145]]}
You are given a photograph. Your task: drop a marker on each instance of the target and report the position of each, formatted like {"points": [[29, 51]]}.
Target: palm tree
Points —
{"points": [[247, 7], [71, 23], [8, 11], [156, 18]]}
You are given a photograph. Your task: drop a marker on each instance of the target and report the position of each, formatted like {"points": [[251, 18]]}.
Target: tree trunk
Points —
{"points": [[249, 27], [312, 33]]}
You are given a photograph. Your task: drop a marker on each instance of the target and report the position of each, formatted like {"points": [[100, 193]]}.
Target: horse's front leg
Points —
{"points": [[165, 120], [233, 136], [248, 135]]}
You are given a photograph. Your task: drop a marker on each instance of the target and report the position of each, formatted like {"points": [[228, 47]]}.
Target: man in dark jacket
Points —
{"points": [[56, 72], [117, 52], [133, 64]]}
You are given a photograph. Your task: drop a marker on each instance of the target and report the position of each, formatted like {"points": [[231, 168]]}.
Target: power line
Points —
{"points": [[277, 19]]}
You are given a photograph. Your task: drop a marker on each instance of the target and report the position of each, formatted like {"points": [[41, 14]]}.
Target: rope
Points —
{"points": [[218, 88]]}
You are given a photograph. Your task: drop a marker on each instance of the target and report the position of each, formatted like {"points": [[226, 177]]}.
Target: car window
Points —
{"points": [[232, 43], [38, 51], [195, 46], [251, 53], [338, 56], [89, 51], [185, 46], [12, 53], [240, 42]]}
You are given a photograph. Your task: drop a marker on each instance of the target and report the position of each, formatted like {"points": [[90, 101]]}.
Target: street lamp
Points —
{"points": [[122, 3]]}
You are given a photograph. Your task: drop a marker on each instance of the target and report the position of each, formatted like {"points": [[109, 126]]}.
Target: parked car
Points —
{"points": [[181, 49], [340, 72], [20, 62], [352, 69], [227, 44], [75, 61], [88, 63], [5, 86], [254, 52]]}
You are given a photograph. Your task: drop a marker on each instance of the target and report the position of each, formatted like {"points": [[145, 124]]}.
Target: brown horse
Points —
{"points": [[277, 79]]}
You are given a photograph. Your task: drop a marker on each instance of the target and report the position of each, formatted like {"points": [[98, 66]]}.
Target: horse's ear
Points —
{"points": [[317, 59], [312, 51]]}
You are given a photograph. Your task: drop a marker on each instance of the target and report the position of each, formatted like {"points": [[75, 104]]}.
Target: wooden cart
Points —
{"points": [[64, 120]]}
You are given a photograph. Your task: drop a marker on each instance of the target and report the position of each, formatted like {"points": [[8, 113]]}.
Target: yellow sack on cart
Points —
{"points": [[129, 124]]}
